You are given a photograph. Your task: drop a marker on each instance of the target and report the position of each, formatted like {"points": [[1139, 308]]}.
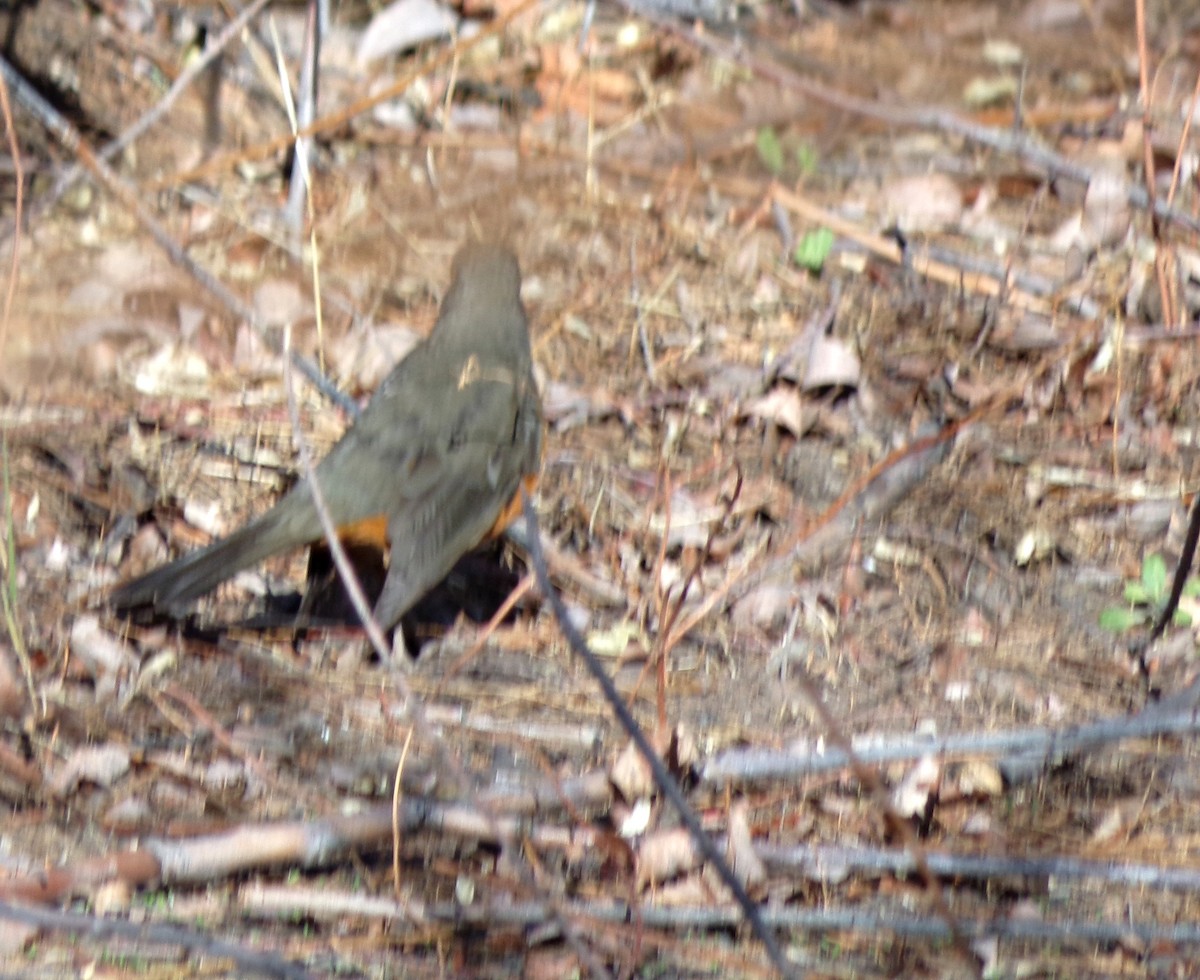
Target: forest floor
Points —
{"points": [[869, 384]]}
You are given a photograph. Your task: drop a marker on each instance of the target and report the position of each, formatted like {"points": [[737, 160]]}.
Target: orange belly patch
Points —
{"points": [[370, 531], [511, 509]]}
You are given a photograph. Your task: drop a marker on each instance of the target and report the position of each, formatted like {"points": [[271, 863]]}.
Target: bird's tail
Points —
{"points": [[194, 574]]}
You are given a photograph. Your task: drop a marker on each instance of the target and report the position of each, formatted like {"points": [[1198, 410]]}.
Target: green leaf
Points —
{"points": [[1181, 618], [813, 249], [807, 159], [1154, 576], [1136, 593], [1119, 620], [770, 150], [1191, 587]]}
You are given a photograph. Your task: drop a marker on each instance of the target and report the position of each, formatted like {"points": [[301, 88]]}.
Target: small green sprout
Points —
{"points": [[1146, 596]]}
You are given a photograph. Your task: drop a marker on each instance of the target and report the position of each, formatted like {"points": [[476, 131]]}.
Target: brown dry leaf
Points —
{"points": [[362, 358], [730, 380], [975, 390], [630, 774], [989, 90], [1106, 209], [1022, 332], [691, 520], [146, 548], [1104, 218], [102, 765], [12, 691], [1049, 15], [614, 639], [979, 778], [925, 203], [129, 265], [174, 371], [917, 793], [948, 665], [14, 937], [478, 8], [566, 406], [252, 356], [782, 406], [746, 863], [987, 949], [100, 359], [1189, 262], [396, 113], [978, 824], [403, 25], [975, 630], [206, 515], [630, 821], [112, 897], [1035, 544], [665, 855], [602, 94], [220, 774], [767, 606], [831, 364], [684, 748], [694, 891], [550, 963], [486, 118], [280, 301], [105, 658], [1113, 822]]}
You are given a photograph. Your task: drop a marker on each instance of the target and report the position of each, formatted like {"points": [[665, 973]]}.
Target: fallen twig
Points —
{"points": [[248, 961], [1028, 749]]}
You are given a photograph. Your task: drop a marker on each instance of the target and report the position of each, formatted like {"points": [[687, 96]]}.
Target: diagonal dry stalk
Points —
{"points": [[9, 591], [9, 588], [18, 211], [670, 606], [1166, 261], [662, 776]]}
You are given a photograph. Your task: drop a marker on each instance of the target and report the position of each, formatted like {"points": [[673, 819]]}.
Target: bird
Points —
{"points": [[433, 467]]}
